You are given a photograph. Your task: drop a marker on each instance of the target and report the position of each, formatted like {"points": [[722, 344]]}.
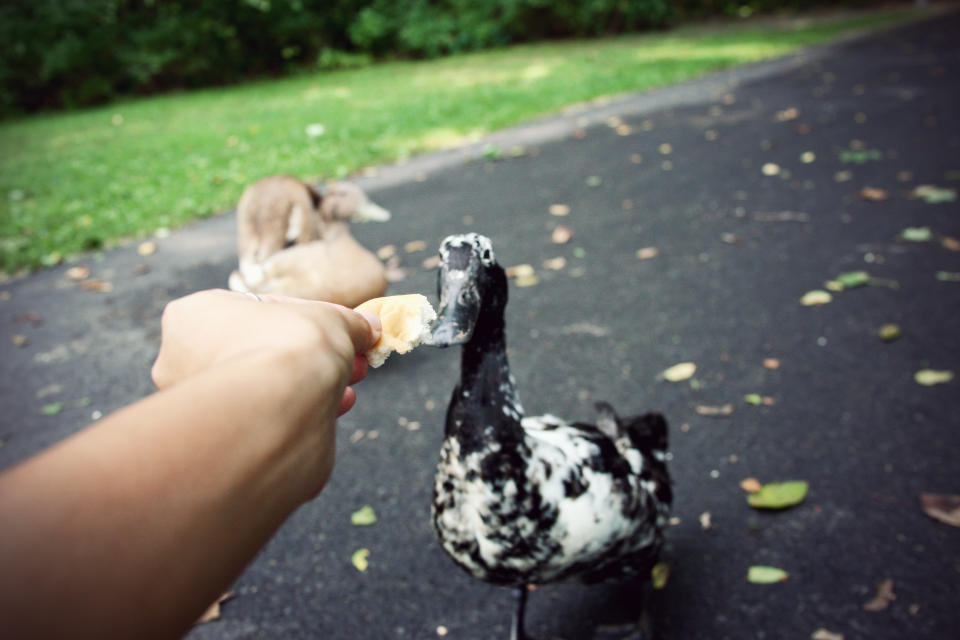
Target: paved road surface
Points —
{"points": [[743, 227]]}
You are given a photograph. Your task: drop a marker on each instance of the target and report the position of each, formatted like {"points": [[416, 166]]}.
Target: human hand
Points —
{"points": [[208, 328]]}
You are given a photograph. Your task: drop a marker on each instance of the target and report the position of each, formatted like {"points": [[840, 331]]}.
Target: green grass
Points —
{"points": [[79, 181]]}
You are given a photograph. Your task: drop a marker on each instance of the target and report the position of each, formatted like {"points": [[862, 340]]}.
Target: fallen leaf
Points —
{"points": [[823, 634], [884, 597], [213, 611], [415, 245], [147, 248], [19, 340], [948, 276], [873, 194], [729, 238], [787, 114], [555, 264], [527, 281], [624, 130], [853, 279], [395, 274], [860, 156], [843, 176], [659, 575], [759, 574], [942, 507], [753, 398], [92, 284], [779, 495], [519, 270], [706, 520], [930, 377], [807, 157], [79, 272], [431, 263], [815, 298], [948, 242], [360, 559], [771, 363], [559, 210], [594, 181], [387, 251], [889, 332], [51, 409], [679, 372], [666, 148], [561, 235], [916, 234], [442, 630], [770, 169], [782, 216], [722, 411], [750, 485], [934, 195], [646, 253], [363, 517]]}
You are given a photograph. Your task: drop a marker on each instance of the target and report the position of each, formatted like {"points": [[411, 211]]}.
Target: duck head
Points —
{"points": [[342, 201], [472, 288]]}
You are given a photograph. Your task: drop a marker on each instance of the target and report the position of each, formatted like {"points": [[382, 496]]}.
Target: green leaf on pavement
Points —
{"points": [[363, 517], [52, 409], [360, 559], [930, 377], [779, 495], [659, 575], [890, 332], [759, 574], [852, 279], [948, 276], [753, 398], [916, 234]]}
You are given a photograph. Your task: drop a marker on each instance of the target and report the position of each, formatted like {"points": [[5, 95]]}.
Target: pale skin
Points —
{"points": [[133, 526]]}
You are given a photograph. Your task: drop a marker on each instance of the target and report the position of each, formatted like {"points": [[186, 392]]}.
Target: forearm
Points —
{"points": [[131, 527]]}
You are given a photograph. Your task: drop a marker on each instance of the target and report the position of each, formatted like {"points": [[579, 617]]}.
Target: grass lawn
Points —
{"points": [[71, 182]]}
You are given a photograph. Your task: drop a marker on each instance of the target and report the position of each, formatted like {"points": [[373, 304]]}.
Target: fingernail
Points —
{"points": [[373, 319]]}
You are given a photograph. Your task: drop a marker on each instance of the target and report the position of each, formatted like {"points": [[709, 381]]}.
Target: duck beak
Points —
{"points": [[371, 212], [458, 310]]}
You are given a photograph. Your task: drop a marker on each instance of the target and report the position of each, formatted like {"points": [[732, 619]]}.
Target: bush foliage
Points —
{"points": [[67, 53]]}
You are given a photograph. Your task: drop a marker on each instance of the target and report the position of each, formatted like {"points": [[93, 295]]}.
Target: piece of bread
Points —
{"points": [[405, 323]]}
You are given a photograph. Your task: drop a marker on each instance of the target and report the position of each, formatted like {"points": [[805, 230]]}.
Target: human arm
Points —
{"points": [[131, 527]]}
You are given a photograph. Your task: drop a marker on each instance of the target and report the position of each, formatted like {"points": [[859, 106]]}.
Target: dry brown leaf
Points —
{"points": [[555, 264], [431, 263], [147, 248], [942, 507], [771, 363], [387, 251], [788, 114], [213, 611], [561, 235], [93, 284], [79, 272], [624, 130], [559, 210], [751, 485], [873, 194], [721, 411], [415, 245], [823, 634], [950, 243], [647, 253], [519, 270], [884, 597]]}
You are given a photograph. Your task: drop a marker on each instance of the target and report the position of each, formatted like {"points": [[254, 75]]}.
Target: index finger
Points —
{"points": [[362, 326]]}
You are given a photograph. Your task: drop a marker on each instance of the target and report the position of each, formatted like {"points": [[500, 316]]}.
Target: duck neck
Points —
{"points": [[485, 406]]}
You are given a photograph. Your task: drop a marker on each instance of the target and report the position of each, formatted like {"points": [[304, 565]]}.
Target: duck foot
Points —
{"points": [[516, 629]]}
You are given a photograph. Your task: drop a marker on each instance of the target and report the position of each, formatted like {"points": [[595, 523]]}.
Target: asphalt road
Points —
{"points": [[744, 224]]}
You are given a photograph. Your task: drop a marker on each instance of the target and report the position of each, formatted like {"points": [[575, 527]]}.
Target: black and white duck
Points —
{"points": [[532, 500]]}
